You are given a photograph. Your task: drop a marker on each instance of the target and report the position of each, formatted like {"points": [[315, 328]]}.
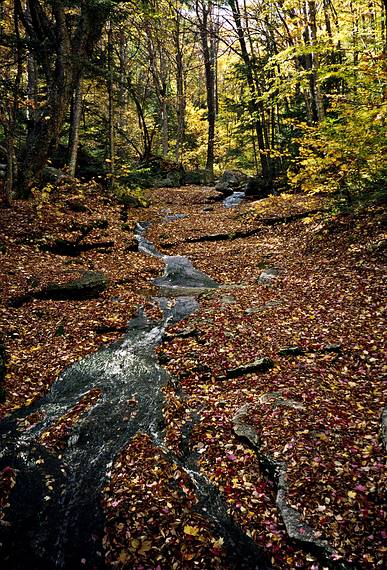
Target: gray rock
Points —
{"points": [[53, 175], [260, 365], [180, 273], [261, 308], [296, 528], [268, 275], [242, 428], [227, 300], [332, 348], [257, 187], [224, 188], [230, 181], [277, 399], [183, 333], [291, 351], [89, 285]]}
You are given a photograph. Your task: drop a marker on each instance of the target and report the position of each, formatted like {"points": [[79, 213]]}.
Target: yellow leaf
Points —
{"points": [[191, 530], [135, 543], [123, 557], [351, 494], [146, 545]]}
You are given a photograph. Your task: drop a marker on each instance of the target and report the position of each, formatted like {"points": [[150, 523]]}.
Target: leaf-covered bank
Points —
{"points": [[306, 294]]}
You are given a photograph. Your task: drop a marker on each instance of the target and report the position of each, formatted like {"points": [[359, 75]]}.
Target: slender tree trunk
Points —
{"points": [[164, 106], [32, 90], [159, 71], [110, 89], [180, 96], [147, 137], [122, 96], [74, 127], [179, 39], [204, 14], [254, 107], [318, 101]]}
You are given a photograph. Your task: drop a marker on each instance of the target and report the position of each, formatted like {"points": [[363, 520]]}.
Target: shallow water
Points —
{"points": [[234, 200]]}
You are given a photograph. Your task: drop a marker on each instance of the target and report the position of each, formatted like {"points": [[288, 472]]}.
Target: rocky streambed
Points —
{"points": [[94, 409]]}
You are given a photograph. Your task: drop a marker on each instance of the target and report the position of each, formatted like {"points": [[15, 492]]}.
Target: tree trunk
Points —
{"points": [[204, 14], [318, 101], [74, 127], [71, 44], [110, 89], [254, 107], [180, 93]]}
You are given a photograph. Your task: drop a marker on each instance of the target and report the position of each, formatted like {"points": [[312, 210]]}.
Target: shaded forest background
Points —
{"points": [[290, 90]]}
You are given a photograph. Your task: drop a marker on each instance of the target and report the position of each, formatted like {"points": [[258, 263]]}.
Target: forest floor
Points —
{"points": [[300, 287]]}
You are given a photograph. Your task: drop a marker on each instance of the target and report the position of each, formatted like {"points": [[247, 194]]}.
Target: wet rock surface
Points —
{"points": [[61, 487]]}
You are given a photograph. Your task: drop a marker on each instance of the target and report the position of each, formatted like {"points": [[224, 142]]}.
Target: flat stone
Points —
{"points": [[227, 300], [242, 428], [332, 348], [296, 527], [277, 399], [90, 284], [260, 365], [261, 308], [268, 275], [180, 273], [291, 351]]}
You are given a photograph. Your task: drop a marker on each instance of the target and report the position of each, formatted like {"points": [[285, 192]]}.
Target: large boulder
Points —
{"points": [[257, 187], [230, 181]]}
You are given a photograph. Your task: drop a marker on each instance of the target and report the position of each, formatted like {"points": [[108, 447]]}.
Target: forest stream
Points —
{"points": [[55, 518]]}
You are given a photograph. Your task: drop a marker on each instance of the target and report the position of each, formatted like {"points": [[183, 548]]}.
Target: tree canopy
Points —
{"points": [[289, 89]]}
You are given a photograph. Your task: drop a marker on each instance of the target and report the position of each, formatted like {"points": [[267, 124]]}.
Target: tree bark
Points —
{"points": [[110, 89], [74, 127], [204, 14], [317, 96], [180, 90], [71, 46], [254, 107]]}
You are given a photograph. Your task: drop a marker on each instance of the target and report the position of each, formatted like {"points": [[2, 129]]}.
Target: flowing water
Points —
{"points": [[234, 199], [54, 519]]}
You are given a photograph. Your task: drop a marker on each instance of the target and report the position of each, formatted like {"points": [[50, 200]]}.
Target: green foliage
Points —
{"points": [[345, 154], [131, 197]]}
